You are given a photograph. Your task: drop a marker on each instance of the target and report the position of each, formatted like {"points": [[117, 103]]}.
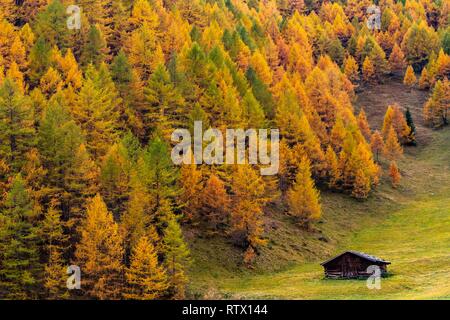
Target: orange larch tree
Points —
{"points": [[392, 148], [394, 173]]}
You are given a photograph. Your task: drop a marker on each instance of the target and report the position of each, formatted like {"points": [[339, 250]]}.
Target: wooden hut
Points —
{"points": [[352, 264]]}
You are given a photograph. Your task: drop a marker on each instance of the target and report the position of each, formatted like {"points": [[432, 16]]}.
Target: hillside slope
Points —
{"points": [[409, 226]]}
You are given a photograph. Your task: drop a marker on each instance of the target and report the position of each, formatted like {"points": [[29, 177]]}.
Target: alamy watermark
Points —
{"points": [[74, 19], [74, 280], [374, 18], [374, 280], [232, 149]]}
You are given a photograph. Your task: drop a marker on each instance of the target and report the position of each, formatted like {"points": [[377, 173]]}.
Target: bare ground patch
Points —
{"points": [[376, 98]]}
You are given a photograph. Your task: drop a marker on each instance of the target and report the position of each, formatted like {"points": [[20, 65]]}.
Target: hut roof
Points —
{"points": [[359, 254]]}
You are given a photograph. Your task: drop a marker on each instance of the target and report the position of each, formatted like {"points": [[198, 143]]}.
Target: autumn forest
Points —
{"points": [[86, 117]]}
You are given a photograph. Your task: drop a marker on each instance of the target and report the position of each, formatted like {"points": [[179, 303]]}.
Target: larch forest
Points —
{"points": [[86, 117]]}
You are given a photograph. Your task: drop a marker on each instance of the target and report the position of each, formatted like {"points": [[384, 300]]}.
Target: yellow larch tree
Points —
{"points": [[249, 198], [392, 148], [136, 219], [146, 277], [368, 70], [191, 189], [387, 120], [17, 76], [214, 205], [436, 109], [333, 170], [361, 186], [351, 69], [18, 53], [144, 53], [51, 82], [259, 64], [410, 78], [303, 198], [81, 184], [99, 252]]}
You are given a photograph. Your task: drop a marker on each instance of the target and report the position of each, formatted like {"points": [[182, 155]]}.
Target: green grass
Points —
{"points": [[409, 226]]}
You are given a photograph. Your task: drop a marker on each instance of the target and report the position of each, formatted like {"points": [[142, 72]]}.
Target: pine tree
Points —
{"points": [[159, 175], [8, 11], [411, 138], [392, 148], [146, 278], [95, 50], [99, 252], [394, 173], [121, 71], [261, 92], [253, 112], [115, 179], [303, 198], [165, 103], [58, 139], [131, 91], [176, 259], [39, 59], [136, 219], [19, 256], [81, 184], [51, 25], [7, 35], [410, 78], [16, 124], [96, 112]]}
